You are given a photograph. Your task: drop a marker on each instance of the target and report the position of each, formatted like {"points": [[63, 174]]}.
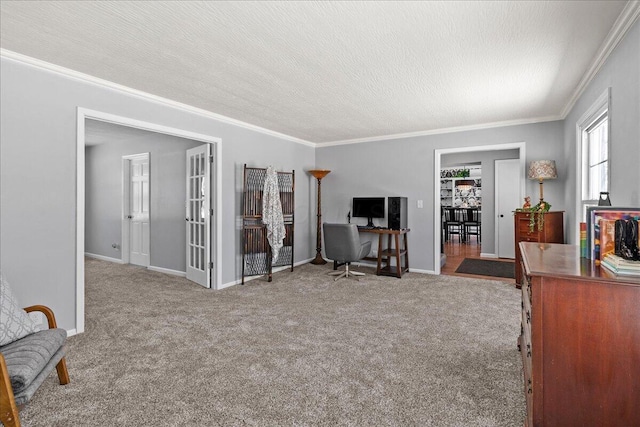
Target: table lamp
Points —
{"points": [[541, 170]]}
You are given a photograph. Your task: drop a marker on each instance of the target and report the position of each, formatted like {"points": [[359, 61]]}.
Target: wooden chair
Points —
{"points": [[9, 410]]}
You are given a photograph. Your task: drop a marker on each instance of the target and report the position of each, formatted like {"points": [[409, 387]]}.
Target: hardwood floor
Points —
{"points": [[457, 252]]}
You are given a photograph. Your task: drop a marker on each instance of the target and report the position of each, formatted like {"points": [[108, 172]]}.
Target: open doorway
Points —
{"points": [[461, 203], [87, 118], [489, 222]]}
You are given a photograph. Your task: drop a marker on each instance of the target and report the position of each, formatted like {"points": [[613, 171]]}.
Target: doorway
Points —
{"points": [[215, 194], [438, 153]]}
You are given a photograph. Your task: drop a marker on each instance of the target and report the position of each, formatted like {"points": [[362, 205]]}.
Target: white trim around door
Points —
{"points": [[216, 146], [437, 157]]}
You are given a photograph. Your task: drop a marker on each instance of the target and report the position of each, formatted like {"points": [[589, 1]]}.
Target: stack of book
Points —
{"points": [[621, 266]]}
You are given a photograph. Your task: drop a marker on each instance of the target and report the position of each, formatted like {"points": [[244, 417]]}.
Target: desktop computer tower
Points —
{"points": [[397, 212]]}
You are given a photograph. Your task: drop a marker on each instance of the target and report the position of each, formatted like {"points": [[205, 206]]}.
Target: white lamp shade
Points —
{"points": [[543, 169]]}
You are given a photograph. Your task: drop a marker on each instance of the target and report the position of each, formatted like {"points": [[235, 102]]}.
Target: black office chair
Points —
{"points": [[342, 244]]}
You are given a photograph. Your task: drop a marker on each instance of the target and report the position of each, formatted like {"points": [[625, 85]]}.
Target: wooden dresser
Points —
{"points": [[552, 232], [580, 340]]}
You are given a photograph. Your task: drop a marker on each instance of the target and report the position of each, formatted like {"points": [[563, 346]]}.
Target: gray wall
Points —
{"points": [[404, 167], [487, 161], [38, 178], [103, 196], [621, 73]]}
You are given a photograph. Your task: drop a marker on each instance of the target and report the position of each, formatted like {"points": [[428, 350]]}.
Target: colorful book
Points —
{"points": [[621, 263], [583, 240], [607, 238], [621, 266], [618, 272]]}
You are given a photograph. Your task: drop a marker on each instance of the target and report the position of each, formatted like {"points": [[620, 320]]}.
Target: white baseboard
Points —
{"points": [[230, 284], [168, 271], [103, 258], [415, 270], [484, 255], [71, 332]]}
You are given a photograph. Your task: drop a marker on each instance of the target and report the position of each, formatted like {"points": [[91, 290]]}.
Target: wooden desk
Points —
{"points": [[395, 251]]}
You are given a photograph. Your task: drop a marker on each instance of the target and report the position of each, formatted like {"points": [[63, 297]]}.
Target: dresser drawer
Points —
{"points": [[526, 293], [551, 233], [527, 369], [526, 349], [524, 230]]}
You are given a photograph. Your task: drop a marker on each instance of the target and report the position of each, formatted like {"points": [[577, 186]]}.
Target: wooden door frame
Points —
{"points": [[126, 204], [437, 157], [216, 229]]}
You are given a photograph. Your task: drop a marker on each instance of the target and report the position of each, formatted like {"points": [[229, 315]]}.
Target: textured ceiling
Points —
{"points": [[328, 71]]}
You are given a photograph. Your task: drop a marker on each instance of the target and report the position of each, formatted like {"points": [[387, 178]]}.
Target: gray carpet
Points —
{"points": [[303, 350], [487, 267]]}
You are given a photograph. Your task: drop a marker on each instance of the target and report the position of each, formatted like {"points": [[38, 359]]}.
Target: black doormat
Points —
{"points": [[486, 267]]}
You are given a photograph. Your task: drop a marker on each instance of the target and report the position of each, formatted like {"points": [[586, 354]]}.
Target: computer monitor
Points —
{"points": [[368, 207]]}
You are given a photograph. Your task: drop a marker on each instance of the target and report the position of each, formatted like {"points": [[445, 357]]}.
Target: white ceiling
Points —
{"points": [[330, 71]]}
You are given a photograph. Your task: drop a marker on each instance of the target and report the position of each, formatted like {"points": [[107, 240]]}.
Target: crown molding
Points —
{"points": [[86, 78], [441, 131], [625, 21]]}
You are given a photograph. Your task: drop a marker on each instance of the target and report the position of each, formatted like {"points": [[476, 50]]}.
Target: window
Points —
{"points": [[597, 158], [593, 153]]}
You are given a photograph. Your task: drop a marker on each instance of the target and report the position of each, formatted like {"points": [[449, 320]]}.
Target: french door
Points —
{"points": [[198, 215]]}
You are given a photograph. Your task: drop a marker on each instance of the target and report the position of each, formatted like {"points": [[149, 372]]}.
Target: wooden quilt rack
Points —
{"points": [[256, 251]]}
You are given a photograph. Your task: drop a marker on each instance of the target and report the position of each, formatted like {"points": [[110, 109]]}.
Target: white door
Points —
{"points": [[139, 210], [508, 198], [198, 215]]}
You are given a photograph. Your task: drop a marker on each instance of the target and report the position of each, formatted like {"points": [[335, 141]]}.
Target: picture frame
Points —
{"points": [[597, 213]]}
